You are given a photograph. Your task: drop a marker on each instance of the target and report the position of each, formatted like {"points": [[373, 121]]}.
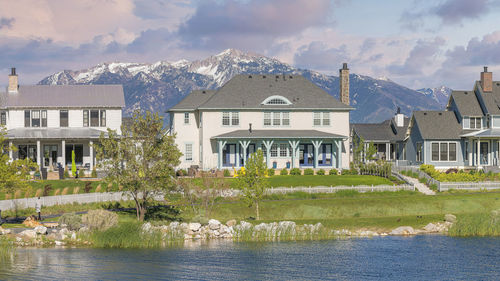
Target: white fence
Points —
{"points": [[469, 185]]}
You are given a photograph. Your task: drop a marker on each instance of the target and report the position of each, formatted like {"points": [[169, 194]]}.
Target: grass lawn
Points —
{"points": [[327, 180]]}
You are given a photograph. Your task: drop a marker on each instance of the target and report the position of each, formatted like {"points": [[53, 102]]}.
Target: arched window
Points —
{"points": [[276, 100]]}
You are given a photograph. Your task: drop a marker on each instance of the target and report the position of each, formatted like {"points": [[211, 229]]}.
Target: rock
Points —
{"points": [[19, 239], [231, 223], [4, 231], [194, 226], [431, 228], [450, 218], [214, 224], [174, 224], [28, 233], [245, 225], [146, 227], [59, 243], [187, 236], [366, 233], [52, 236], [83, 230], [73, 236], [403, 230], [40, 230]]}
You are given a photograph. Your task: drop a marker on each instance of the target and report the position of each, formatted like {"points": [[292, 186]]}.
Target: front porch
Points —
{"points": [[482, 149], [282, 149]]}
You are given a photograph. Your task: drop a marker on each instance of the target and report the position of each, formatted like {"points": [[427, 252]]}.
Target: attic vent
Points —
{"points": [[263, 76], [291, 77], [204, 92], [466, 93], [249, 76], [425, 113], [440, 113], [277, 76], [276, 100]]}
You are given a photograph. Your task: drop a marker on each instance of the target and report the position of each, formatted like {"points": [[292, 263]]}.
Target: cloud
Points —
{"points": [[318, 56], [215, 24], [367, 45], [6, 22], [421, 56], [151, 41], [477, 52], [455, 11], [160, 9]]}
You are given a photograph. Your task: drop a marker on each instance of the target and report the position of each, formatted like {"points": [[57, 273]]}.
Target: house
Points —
{"points": [[387, 137], [293, 121], [464, 135], [47, 122]]}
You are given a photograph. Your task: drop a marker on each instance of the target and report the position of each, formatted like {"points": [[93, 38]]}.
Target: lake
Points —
{"points": [[426, 257]]}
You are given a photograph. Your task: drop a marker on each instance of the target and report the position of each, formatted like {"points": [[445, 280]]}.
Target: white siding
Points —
{"points": [[187, 133]]}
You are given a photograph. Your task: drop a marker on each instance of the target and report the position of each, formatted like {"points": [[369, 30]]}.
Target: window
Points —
{"points": [[85, 118], [63, 118], [230, 118], [475, 122], [27, 118], [274, 150], [188, 153], [419, 152], [283, 149], [466, 151], [27, 151], [277, 118], [444, 151], [276, 100], [186, 117], [103, 118], [78, 148], [321, 118], [3, 118], [35, 118], [44, 118], [94, 118]]}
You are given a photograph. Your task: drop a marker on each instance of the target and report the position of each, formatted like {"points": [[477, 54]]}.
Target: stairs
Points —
{"points": [[52, 175]]}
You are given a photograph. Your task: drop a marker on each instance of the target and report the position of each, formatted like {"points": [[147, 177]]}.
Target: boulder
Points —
{"points": [[450, 218], [59, 243], [29, 233], [214, 224], [146, 227], [4, 231], [40, 230], [403, 230], [174, 224], [194, 226], [431, 228], [231, 223]]}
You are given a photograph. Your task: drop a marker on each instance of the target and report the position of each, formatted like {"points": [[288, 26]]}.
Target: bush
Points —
{"points": [[308, 172], [295, 172], [227, 173], [270, 172], [453, 177], [71, 220], [422, 180], [181, 173], [333, 172], [433, 187], [94, 173], [100, 219], [46, 189], [284, 172], [320, 172], [66, 173], [88, 187]]}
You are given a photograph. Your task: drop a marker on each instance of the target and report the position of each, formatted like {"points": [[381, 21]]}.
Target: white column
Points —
{"points": [[471, 148], [91, 150], [339, 154], [268, 145], [293, 145], [478, 151], [38, 153], [11, 156], [316, 145], [221, 145], [244, 146], [387, 151], [63, 153]]}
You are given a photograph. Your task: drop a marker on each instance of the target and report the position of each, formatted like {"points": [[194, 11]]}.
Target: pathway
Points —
{"points": [[419, 186]]}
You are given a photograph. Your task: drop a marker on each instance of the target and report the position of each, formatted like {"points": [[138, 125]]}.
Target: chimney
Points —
{"points": [[399, 118], [344, 84], [486, 80], [250, 127], [13, 82]]}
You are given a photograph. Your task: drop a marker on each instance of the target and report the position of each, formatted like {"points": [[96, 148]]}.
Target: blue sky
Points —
{"points": [[415, 43]]}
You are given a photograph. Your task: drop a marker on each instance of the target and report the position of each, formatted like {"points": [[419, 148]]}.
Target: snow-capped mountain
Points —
{"points": [[160, 85], [440, 94]]}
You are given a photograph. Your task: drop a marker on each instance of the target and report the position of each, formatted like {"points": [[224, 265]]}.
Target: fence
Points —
{"points": [[333, 189]]}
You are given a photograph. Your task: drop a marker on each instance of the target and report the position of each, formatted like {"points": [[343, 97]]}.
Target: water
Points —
{"points": [[384, 258]]}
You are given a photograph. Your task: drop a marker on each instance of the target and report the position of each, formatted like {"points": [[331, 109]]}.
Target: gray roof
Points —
{"points": [[385, 131], [483, 133], [67, 96], [277, 134], [437, 124], [491, 99], [467, 103], [193, 100], [54, 133], [248, 91]]}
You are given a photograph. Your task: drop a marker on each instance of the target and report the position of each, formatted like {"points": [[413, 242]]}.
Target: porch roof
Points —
{"points": [[53, 133], [278, 134], [487, 133]]}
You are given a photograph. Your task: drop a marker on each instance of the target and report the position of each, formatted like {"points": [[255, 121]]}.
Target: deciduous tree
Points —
{"points": [[253, 180]]}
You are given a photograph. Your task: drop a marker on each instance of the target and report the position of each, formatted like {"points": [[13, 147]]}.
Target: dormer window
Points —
{"points": [[475, 122], [3, 118], [276, 100]]}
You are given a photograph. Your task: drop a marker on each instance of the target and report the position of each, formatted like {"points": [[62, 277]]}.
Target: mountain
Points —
{"points": [[160, 85], [439, 94]]}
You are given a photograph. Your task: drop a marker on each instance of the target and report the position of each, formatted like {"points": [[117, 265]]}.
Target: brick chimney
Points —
{"points": [[486, 80], [13, 82], [344, 84]]}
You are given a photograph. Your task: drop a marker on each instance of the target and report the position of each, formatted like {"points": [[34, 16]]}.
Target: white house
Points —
{"points": [[47, 122], [299, 124]]}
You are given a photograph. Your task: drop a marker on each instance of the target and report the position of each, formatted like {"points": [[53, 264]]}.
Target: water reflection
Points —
{"points": [[389, 258]]}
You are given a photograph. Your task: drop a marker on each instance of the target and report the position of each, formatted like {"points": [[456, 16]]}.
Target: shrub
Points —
{"points": [[76, 190], [422, 180], [308, 172], [66, 173], [71, 220], [284, 172], [333, 172], [57, 192], [46, 189], [88, 187], [227, 173], [100, 219], [451, 170], [433, 187], [270, 172], [98, 188], [320, 172], [94, 173], [295, 172]]}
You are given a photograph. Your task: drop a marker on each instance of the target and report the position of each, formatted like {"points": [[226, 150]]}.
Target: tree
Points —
{"points": [[142, 159], [14, 175], [371, 152], [253, 180]]}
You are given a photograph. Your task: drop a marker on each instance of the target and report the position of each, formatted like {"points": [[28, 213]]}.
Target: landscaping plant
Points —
{"points": [[253, 182], [295, 172], [71, 220], [284, 172], [99, 219], [308, 172], [320, 172]]}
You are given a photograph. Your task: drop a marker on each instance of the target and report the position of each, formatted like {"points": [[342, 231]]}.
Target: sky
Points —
{"points": [[416, 43]]}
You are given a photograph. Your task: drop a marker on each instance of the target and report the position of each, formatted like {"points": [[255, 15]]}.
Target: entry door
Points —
{"points": [[484, 148], [229, 155], [49, 155], [306, 155]]}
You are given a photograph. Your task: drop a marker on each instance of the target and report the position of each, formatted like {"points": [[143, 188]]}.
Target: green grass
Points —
{"points": [[479, 224], [327, 180], [6, 248]]}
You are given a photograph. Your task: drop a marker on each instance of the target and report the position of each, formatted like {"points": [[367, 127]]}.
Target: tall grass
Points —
{"points": [[6, 248], [482, 224], [126, 235]]}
